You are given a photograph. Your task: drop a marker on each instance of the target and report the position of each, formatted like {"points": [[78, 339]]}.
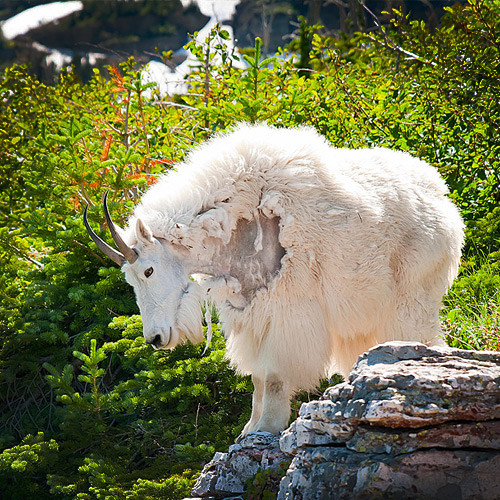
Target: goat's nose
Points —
{"points": [[158, 338], [155, 341]]}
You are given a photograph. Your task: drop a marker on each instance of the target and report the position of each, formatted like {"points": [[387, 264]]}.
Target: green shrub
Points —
{"points": [[111, 418]]}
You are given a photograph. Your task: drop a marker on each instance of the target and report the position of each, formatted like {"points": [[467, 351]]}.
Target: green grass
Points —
{"points": [[471, 317]]}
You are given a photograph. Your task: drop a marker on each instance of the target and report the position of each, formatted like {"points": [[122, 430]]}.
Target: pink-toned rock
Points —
{"points": [[411, 422]]}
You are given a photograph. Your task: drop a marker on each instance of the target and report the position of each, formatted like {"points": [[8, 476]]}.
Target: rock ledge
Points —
{"points": [[411, 422]]}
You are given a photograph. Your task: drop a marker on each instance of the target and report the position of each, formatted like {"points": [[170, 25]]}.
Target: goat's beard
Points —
{"points": [[189, 315]]}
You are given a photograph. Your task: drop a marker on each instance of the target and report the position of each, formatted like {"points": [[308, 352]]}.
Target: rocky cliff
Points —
{"points": [[411, 422]]}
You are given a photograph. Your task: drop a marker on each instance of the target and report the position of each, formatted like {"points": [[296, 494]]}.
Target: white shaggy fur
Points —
{"points": [[361, 246]]}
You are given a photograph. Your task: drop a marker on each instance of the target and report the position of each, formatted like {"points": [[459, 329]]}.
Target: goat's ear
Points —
{"points": [[143, 233]]}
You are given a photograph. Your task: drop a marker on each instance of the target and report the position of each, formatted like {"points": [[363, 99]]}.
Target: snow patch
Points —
{"points": [[38, 16], [175, 81], [221, 10]]}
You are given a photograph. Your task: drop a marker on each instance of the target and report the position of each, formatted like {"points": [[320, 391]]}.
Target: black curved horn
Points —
{"points": [[129, 253], [114, 255]]}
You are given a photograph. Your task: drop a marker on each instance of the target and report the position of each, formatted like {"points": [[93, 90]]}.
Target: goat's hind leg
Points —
{"points": [[275, 405]]}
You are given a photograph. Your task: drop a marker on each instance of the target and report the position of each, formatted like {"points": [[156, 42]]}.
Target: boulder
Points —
{"points": [[411, 422], [226, 474]]}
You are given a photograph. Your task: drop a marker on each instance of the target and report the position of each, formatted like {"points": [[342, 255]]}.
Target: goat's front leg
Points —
{"points": [[275, 405], [257, 402]]}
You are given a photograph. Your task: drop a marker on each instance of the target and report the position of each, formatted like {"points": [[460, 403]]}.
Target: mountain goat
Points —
{"points": [[311, 254]]}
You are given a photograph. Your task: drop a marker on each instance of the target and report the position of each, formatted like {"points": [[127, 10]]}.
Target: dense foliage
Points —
{"points": [[87, 409]]}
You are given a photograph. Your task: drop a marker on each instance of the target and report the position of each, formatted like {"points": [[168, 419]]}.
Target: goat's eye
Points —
{"points": [[148, 272]]}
